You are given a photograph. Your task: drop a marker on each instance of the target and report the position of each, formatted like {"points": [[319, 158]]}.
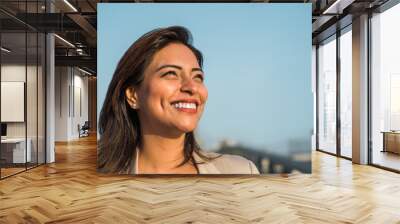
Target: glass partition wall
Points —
{"points": [[385, 89], [334, 89], [334, 104], [22, 87]]}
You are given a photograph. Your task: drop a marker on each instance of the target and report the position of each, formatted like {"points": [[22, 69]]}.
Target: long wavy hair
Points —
{"points": [[119, 125]]}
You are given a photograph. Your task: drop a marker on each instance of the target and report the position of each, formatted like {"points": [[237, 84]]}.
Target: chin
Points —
{"points": [[188, 127]]}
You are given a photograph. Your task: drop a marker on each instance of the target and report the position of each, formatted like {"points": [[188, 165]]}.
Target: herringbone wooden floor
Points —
{"points": [[70, 191]]}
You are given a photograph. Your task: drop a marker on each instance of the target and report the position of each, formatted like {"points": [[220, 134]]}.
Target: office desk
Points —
{"points": [[13, 150], [391, 142]]}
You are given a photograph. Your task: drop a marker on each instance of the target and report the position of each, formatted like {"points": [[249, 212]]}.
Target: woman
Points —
{"points": [[153, 104]]}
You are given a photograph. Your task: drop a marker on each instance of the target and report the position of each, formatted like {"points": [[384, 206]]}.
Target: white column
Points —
{"points": [[50, 92], [360, 90]]}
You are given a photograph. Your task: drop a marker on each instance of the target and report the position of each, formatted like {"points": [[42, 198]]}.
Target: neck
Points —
{"points": [[160, 154]]}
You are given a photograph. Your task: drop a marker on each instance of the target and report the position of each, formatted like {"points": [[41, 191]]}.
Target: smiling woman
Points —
{"points": [[153, 104]]}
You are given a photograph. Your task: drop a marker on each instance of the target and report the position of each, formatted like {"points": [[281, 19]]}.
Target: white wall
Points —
{"points": [[80, 89], [314, 91], [71, 93], [15, 72], [9, 73], [61, 103], [33, 127]]}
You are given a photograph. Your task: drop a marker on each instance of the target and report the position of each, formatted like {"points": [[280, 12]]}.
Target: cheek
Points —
{"points": [[203, 93], [158, 93]]}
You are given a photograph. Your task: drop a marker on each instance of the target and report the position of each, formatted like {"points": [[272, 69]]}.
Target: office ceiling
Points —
{"points": [[76, 21]]}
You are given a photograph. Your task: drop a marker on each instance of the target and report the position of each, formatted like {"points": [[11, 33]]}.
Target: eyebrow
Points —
{"points": [[177, 67]]}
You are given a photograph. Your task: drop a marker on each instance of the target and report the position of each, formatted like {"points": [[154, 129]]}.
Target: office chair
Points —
{"points": [[84, 130]]}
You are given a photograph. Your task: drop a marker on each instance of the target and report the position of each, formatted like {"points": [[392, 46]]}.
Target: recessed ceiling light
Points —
{"points": [[84, 71], [5, 50], [70, 5], [337, 7], [65, 41]]}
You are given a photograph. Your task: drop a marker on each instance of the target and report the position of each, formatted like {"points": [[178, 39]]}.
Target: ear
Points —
{"points": [[131, 97]]}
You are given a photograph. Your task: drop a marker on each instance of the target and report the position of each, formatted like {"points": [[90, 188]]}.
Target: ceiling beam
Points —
{"points": [[83, 61], [86, 26], [337, 6]]}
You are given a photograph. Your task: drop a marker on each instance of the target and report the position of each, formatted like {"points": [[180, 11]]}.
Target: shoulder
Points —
{"points": [[232, 164]]}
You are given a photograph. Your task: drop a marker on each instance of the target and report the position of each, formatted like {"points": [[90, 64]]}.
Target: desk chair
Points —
{"points": [[84, 130]]}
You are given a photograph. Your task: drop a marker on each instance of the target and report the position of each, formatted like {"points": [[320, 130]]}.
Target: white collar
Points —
{"points": [[204, 167]]}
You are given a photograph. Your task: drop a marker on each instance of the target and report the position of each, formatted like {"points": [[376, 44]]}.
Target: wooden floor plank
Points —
{"points": [[71, 191]]}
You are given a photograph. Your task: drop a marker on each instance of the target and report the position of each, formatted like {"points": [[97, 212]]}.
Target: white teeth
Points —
{"points": [[185, 105]]}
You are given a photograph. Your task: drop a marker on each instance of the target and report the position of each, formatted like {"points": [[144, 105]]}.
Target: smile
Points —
{"points": [[185, 106]]}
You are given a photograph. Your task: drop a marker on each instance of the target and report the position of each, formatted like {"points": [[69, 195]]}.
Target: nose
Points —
{"points": [[189, 86]]}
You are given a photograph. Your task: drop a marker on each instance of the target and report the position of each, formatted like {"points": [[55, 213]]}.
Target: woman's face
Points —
{"points": [[172, 95]]}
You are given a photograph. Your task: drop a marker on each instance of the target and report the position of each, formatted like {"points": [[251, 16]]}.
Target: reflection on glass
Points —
{"points": [[41, 99], [23, 90], [386, 89], [327, 96], [31, 101], [346, 94], [14, 146]]}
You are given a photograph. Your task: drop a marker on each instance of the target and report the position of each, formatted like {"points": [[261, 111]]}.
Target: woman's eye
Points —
{"points": [[169, 73], [199, 77]]}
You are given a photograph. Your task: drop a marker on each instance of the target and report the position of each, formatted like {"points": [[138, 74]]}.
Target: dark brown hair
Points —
{"points": [[119, 125]]}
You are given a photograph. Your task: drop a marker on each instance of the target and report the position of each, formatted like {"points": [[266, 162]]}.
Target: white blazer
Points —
{"points": [[224, 164]]}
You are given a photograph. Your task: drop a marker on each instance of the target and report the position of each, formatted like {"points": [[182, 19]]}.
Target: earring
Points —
{"points": [[134, 106]]}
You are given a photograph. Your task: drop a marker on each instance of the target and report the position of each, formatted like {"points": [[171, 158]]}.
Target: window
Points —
{"points": [[385, 88], [327, 95], [346, 92]]}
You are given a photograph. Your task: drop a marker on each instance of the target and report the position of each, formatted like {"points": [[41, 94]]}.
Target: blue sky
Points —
{"points": [[257, 66]]}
